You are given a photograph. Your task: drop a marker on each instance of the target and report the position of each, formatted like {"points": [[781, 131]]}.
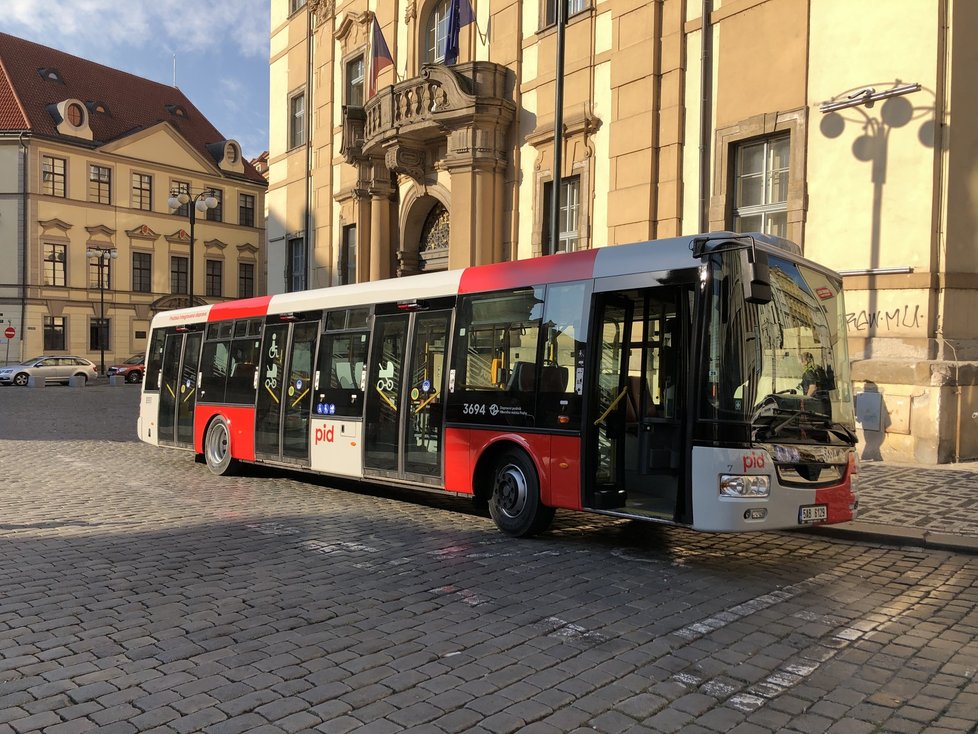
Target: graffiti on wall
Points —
{"points": [[907, 316]]}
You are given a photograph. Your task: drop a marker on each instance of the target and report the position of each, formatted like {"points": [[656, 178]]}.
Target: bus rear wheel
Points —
{"points": [[515, 504], [217, 448]]}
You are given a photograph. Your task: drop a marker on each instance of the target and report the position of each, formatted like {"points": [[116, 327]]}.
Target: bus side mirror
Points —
{"points": [[755, 276]]}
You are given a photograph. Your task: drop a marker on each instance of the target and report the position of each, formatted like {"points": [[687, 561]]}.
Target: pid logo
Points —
{"points": [[753, 461]]}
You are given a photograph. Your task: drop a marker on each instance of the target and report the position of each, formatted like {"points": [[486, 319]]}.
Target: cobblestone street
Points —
{"points": [[140, 593]]}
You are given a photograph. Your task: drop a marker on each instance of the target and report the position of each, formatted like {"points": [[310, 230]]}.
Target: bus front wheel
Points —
{"points": [[217, 448], [515, 504]]}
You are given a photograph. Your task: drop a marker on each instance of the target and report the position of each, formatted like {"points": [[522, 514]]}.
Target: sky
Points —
{"points": [[221, 49]]}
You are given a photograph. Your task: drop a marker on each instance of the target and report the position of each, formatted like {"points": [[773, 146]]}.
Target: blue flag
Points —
{"points": [[460, 14]]}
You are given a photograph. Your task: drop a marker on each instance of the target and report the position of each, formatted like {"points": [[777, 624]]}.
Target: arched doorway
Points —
{"points": [[433, 243]]}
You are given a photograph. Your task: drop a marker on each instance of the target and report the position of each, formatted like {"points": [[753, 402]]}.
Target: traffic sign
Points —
{"points": [[10, 332]]}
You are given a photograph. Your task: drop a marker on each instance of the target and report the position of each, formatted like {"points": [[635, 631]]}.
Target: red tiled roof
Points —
{"points": [[133, 103]]}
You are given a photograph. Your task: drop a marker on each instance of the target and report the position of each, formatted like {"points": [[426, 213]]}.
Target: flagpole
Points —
{"points": [[558, 129]]}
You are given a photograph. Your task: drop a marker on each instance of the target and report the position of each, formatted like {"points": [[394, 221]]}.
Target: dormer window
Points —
{"points": [[177, 110], [50, 74], [99, 107], [232, 153]]}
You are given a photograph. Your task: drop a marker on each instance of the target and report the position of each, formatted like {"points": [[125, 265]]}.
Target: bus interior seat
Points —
{"points": [[553, 378], [243, 374], [522, 377]]}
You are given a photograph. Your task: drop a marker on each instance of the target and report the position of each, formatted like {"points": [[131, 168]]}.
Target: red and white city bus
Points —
{"points": [[700, 381]]}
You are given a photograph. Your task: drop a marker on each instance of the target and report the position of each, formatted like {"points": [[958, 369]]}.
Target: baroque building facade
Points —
{"points": [[829, 123], [89, 157]]}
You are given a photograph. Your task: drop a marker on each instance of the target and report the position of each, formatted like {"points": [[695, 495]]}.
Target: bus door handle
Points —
{"points": [[614, 404]]}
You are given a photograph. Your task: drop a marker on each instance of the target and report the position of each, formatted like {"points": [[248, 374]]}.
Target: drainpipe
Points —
{"points": [[309, 114], [706, 110], [26, 241]]}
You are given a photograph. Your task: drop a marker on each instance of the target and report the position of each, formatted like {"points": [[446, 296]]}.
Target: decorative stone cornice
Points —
{"points": [[247, 249], [55, 224], [180, 237], [215, 245], [406, 159], [142, 232], [351, 22], [100, 229], [582, 121]]}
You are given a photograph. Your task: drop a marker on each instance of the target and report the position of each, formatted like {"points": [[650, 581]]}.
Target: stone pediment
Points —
{"points": [[142, 232], [215, 244], [180, 237], [100, 230], [49, 224]]}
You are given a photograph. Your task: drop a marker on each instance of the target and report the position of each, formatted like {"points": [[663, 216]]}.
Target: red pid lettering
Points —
{"points": [[753, 461], [325, 435]]}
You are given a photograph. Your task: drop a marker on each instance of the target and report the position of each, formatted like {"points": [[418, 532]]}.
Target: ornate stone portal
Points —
{"points": [[453, 119]]}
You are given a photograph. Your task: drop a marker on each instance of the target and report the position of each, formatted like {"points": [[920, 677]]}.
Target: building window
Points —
{"points": [[348, 255], [55, 262], [217, 213], [354, 82], [567, 218], [98, 334], [178, 274], [246, 210], [181, 187], [214, 270], [296, 277], [295, 5], [761, 186], [74, 115], [142, 191], [53, 175], [142, 272], [436, 33], [232, 153], [573, 7], [246, 280], [100, 184], [54, 333], [99, 274], [297, 120]]}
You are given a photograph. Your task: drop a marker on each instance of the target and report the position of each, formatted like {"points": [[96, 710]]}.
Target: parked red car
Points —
{"points": [[133, 368]]}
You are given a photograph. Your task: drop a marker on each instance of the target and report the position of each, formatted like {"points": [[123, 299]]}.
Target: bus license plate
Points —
{"points": [[812, 513]]}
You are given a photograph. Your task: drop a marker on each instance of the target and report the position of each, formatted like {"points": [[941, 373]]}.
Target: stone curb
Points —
{"points": [[898, 535]]}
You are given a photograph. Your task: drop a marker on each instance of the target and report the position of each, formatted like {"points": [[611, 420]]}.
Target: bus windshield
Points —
{"points": [[783, 366]]}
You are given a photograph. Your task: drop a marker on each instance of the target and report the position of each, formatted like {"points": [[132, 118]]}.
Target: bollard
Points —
{"points": [[77, 381], [34, 381], [117, 380]]}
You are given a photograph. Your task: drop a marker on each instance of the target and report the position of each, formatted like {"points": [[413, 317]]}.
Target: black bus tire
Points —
{"points": [[515, 504], [217, 448]]}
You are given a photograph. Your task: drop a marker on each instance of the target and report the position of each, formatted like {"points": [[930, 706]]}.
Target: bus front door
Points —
{"points": [[284, 401], [178, 388], [404, 399], [635, 433]]}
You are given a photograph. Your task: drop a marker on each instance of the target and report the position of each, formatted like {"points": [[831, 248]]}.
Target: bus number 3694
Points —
{"points": [[474, 409]]}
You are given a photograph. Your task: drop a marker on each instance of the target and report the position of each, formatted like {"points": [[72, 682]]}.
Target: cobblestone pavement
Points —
{"points": [[139, 593]]}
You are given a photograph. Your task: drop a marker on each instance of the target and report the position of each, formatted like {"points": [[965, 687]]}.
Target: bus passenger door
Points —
{"points": [[178, 388], [605, 446], [283, 404], [404, 397], [635, 437]]}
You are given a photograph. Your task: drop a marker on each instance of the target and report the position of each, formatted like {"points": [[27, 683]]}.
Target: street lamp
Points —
{"points": [[202, 201], [103, 255]]}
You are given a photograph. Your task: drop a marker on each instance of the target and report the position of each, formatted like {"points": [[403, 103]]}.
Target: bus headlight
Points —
{"points": [[751, 485]]}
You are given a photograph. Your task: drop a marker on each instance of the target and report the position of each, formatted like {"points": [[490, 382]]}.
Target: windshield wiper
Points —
{"points": [[773, 423]]}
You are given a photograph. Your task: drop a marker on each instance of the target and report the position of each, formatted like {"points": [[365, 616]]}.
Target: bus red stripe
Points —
{"points": [[245, 309], [521, 273]]}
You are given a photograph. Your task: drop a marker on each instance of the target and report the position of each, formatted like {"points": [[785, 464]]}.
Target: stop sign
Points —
{"points": [[10, 332]]}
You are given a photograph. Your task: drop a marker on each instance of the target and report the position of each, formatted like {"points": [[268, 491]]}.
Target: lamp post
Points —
{"points": [[201, 202], [104, 255]]}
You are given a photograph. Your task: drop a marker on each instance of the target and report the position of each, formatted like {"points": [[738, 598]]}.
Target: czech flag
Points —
{"points": [[459, 15], [380, 56]]}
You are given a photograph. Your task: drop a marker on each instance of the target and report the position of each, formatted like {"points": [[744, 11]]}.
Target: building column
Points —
{"points": [[477, 165], [380, 222]]}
